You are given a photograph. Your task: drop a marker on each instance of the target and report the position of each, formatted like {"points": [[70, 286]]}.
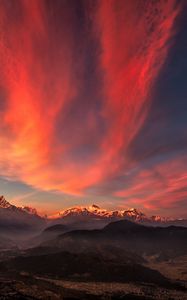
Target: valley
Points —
{"points": [[81, 256]]}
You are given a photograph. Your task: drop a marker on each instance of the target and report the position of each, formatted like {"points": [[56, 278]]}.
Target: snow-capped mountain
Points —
{"points": [[30, 210], [28, 217], [160, 219], [95, 211], [92, 211], [12, 216], [6, 205]]}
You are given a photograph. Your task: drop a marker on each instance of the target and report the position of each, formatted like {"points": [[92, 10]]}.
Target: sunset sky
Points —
{"points": [[93, 104]]}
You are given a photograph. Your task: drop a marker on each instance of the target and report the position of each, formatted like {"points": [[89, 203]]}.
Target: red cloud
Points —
{"points": [[134, 42], [160, 186], [38, 75]]}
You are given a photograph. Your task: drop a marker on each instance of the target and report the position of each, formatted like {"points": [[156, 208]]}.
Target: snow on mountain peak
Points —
{"points": [[95, 206], [29, 210], [4, 203], [93, 211], [97, 212]]}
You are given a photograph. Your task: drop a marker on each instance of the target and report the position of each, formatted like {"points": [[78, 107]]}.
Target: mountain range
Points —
{"points": [[94, 213], [28, 217]]}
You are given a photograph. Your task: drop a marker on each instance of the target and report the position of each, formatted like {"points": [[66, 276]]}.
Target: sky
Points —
{"points": [[93, 104]]}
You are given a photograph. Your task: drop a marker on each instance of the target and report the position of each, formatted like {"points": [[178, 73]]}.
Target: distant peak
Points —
{"points": [[4, 203], [30, 210], [26, 209], [95, 206]]}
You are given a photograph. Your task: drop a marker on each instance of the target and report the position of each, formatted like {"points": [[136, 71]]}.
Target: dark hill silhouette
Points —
{"points": [[124, 234], [57, 228]]}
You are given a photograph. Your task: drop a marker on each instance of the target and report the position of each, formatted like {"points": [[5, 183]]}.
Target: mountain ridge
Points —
{"points": [[7, 205], [89, 213], [96, 211], [16, 219]]}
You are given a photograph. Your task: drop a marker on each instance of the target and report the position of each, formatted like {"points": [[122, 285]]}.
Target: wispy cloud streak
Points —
{"points": [[44, 56]]}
